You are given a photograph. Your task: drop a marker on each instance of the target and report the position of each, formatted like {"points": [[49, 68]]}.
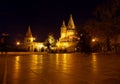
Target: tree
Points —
{"points": [[105, 25], [85, 39], [107, 10], [50, 41]]}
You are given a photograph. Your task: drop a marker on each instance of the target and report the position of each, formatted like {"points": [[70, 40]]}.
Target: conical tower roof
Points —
{"points": [[71, 24], [63, 24], [29, 33]]}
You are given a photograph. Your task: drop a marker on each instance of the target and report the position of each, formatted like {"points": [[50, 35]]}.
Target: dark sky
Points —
{"points": [[44, 16]]}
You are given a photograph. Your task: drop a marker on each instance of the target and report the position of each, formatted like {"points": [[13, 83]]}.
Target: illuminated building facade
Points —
{"points": [[67, 41], [30, 44], [68, 36]]}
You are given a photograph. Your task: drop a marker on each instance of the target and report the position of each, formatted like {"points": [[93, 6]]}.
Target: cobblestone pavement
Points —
{"points": [[69, 68]]}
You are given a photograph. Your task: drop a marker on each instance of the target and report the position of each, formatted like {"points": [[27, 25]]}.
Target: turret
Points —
{"points": [[63, 30], [29, 33], [29, 37], [71, 24]]}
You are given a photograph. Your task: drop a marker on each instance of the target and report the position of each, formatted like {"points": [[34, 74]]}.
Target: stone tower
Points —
{"points": [[28, 37], [63, 30], [71, 30], [71, 24], [68, 38], [68, 32]]}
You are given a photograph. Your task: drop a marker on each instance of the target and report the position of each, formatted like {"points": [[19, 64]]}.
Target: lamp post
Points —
{"points": [[95, 44], [17, 43], [94, 39]]}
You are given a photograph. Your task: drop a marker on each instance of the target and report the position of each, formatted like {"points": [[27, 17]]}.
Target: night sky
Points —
{"points": [[43, 16]]}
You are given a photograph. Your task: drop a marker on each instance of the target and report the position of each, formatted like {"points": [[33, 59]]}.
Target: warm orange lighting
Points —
{"points": [[16, 67], [35, 59], [63, 35], [41, 45], [94, 62], [65, 62], [17, 43], [93, 40], [31, 39], [70, 34], [34, 38], [58, 44], [65, 44]]}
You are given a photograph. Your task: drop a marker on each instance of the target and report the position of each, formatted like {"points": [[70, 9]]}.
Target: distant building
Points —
{"points": [[67, 41]]}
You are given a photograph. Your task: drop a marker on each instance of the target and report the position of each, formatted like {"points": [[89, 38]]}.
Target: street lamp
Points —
{"points": [[93, 40], [18, 43]]}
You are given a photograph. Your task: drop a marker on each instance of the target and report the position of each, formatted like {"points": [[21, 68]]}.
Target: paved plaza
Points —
{"points": [[69, 68]]}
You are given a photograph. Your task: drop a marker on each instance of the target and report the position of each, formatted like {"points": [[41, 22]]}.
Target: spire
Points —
{"points": [[63, 24], [71, 24], [29, 33]]}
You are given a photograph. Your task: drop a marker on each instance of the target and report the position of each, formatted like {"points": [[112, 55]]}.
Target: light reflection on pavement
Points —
{"points": [[70, 68]]}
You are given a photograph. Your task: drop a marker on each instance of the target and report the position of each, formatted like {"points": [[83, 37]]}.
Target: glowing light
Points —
{"points": [[64, 58], [17, 64], [16, 67], [65, 44], [34, 38], [57, 59], [94, 62], [18, 43], [63, 35], [41, 45], [35, 59], [70, 33], [17, 58], [93, 40], [41, 59], [58, 44], [64, 68]]}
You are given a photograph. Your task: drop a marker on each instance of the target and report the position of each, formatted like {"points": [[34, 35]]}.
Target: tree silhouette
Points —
{"points": [[105, 25], [84, 42], [50, 41]]}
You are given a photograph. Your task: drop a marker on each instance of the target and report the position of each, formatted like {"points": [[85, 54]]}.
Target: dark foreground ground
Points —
{"points": [[72, 68]]}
